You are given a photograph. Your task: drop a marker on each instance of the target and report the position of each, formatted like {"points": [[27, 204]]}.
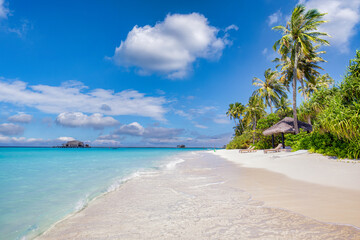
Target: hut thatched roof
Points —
{"points": [[286, 126]]}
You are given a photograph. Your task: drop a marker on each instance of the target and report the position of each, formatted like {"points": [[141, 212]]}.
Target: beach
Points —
{"points": [[227, 195]]}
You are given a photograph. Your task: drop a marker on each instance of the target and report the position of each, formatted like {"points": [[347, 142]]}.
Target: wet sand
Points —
{"points": [[207, 197]]}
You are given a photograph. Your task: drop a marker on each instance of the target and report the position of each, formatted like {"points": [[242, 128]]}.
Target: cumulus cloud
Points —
{"points": [[78, 119], [343, 16], [134, 129], [170, 47], [161, 136], [65, 139], [4, 11], [23, 141], [275, 18], [75, 98], [10, 129], [20, 118]]}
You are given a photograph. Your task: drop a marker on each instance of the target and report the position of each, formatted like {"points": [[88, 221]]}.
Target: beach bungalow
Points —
{"points": [[285, 126]]}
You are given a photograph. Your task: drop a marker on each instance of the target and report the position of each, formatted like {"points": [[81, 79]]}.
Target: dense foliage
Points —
{"points": [[238, 142], [324, 143], [334, 111]]}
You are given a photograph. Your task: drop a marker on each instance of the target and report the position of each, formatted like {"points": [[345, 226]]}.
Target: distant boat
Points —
{"points": [[180, 146]]}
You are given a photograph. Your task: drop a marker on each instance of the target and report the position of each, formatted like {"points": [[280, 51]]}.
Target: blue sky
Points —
{"points": [[143, 73]]}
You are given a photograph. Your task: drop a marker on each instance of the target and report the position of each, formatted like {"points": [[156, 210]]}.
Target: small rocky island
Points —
{"points": [[74, 144], [180, 146]]}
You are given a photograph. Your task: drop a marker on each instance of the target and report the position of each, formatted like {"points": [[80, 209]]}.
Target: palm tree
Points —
{"points": [[306, 111], [297, 40], [314, 84], [283, 107], [231, 112], [307, 67], [271, 89], [236, 111], [254, 111]]}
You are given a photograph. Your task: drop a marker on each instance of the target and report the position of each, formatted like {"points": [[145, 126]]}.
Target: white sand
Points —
{"points": [[301, 165], [207, 197]]}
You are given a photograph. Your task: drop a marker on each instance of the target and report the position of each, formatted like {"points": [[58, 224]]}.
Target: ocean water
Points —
{"points": [[40, 186]]}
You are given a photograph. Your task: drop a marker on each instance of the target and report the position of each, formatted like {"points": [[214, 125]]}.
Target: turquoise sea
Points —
{"points": [[40, 186]]}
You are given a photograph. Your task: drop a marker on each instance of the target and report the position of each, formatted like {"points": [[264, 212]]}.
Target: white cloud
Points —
{"points": [[65, 139], [275, 18], [200, 126], [195, 112], [9, 129], [104, 142], [73, 98], [170, 47], [343, 16], [231, 27], [14, 141], [20, 118], [221, 119], [265, 51], [4, 11], [161, 132], [134, 129], [78, 119], [23, 141], [183, 114]]}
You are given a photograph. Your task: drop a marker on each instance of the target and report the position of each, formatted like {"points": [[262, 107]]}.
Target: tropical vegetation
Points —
{"points": [[332, 109]]}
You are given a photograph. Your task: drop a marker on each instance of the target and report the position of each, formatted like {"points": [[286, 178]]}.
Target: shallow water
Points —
{"points": [[39, 186]]}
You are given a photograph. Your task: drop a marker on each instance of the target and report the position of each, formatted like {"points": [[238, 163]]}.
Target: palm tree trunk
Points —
{"points": [[269, 102], [302, 88], [254, 128], [294, 91], [309, 119], [241, 124]]}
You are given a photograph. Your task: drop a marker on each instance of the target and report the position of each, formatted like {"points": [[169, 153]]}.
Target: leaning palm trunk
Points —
{"points": [[294, 92], [241, 124]]}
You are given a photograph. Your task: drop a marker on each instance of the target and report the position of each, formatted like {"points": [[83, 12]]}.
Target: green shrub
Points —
{"points": [[265, 142], [324, 143], [242, 141]]}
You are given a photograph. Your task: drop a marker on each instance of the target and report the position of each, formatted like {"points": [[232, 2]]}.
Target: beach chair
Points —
{"points": [[249, 149], [277, 149]]}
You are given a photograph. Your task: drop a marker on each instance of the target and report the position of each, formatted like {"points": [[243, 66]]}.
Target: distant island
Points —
{"points": [[74, 144]]}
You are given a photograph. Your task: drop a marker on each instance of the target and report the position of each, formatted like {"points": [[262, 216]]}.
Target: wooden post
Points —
{"points": [[272, 141], [282, 138]]}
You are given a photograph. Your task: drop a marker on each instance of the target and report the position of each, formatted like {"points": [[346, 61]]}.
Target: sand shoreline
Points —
{"points": [[191, 201], [301, 165]]}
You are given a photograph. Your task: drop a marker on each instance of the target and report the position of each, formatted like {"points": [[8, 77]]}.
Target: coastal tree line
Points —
{"points": [[332, 109]]}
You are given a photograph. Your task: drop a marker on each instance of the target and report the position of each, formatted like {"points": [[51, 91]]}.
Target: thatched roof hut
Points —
{"points": [[286, 126]]}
